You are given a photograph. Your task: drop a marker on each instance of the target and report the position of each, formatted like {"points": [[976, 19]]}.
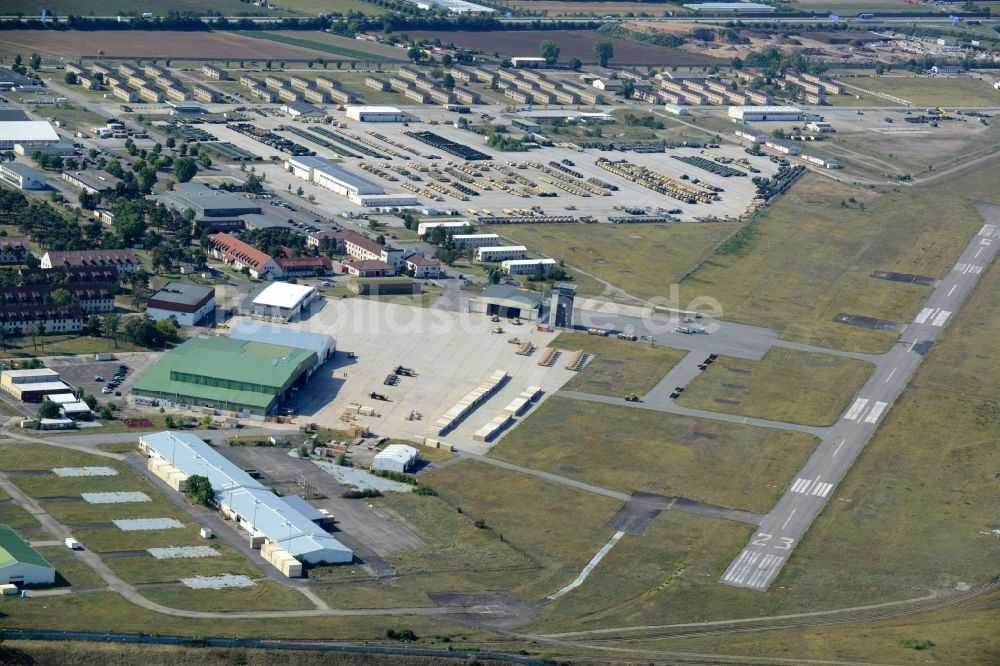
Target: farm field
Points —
{"points": [[618, 366], [732, 465], [785, 385], [158, 44], [641, 259], [89, 8], [350, 49], [810, 256], [574, 44], [575, 8]]}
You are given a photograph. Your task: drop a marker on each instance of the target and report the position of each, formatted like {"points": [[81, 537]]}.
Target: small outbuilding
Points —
{"points": [[396, 458]]}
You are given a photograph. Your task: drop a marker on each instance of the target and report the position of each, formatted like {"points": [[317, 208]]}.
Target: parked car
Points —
{"points": [[98, 378]]}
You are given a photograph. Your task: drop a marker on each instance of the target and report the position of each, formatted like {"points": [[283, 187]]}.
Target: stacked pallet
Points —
{"points": [[468, 404], [514, 408]]}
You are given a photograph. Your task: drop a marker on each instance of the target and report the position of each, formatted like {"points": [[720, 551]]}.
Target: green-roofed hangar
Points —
{"points": [[20, 563], [242, 376]]}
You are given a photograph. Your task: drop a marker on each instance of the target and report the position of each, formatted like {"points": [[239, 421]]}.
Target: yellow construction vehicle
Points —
{"points": [[632, 397]]}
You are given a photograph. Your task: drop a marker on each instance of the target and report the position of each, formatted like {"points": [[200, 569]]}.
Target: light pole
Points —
{"points": [[254, 526]]}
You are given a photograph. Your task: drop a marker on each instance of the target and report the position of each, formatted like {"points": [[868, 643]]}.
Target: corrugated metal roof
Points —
{"points": [[14, 549], [255, 331], [269, 514], [27, 130]]}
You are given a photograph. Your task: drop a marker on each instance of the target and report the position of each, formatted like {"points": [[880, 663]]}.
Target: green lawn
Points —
{"points": [[618, 366], [63, 345], [642, 259], [810, 256], [265, 595], [148, 569], [75, 118], [933, 90], [13, 516], [786, 385], [627, 449], [33, 456]]}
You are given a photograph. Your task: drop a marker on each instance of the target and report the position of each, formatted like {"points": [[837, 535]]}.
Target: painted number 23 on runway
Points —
{"points": [[763, 538]]}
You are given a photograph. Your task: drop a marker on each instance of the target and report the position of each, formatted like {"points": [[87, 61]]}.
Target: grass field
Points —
{"points": [[642, 261], [265, 595], [15, 517], [74, 117], [88, 8], [618, 366], [785, 385], [629, 449], [943, 91], [810, 257], [143, 569], [63, 345], [559, 528]]}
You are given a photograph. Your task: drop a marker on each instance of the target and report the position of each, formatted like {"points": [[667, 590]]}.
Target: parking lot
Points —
{"points": [[451, 353], [79, 371]]}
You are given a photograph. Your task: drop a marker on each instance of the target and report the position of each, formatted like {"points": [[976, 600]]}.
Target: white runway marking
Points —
{"points": [[960, 267], [978, 252], [941, 318], [912, 345], [974, 269], [876, 412], [952, 290], [924, 314], [891, 374], [855, 411], [837, 450], [789, 519], [990, 230], [822, 489], [753, 569]]}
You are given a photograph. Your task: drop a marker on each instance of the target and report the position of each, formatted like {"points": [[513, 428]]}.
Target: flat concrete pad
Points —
{"points": [[137, 524], [115, 498], [634, 517], [217, 582], [178, 552], [908, 278], [84, 471], [484, 609]]}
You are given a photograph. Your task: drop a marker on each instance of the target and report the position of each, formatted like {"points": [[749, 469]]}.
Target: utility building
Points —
{"points": [[21, 564]]}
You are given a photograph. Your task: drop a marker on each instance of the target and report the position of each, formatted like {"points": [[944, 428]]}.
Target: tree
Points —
{"points": [[36, 61], [60, 297], [575, 64], [627, 88], [48, 410], [111, 326], [185, 168], [549, 50], [198, 489], [448, 81], [446, 60], [414, 54], [604, 51], [107, 413], [70, 78]]}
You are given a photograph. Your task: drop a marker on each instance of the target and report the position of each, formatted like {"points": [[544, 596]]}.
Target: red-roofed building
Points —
{"points": [[369, 268], [362, 248], [422, 267], [304, 266], [242, 255]]}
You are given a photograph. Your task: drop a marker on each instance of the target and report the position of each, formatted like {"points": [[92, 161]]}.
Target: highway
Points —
{"points": [[783, 527]]}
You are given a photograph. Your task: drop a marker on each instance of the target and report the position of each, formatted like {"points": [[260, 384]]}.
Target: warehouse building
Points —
{"points": [[282, 301], [528, 61], [95, 182], [818, 159], [22, 176], [186, 303], [527, 266], [29, 133], [764, 113], [507, 301], [20, 564], [32, 385], [209, 206], [254, 331], [286, 537], [333, 176], [501, 252], [250, 379], [376, 114]]}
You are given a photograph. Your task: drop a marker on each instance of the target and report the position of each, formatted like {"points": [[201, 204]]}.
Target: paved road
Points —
{"points": [[670, 407], [785, 525]]}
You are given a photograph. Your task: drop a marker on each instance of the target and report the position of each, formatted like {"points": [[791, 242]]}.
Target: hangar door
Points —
{"points": [[503, 311]]}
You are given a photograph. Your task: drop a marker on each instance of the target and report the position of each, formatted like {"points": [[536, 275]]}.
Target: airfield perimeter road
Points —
{"points": [[784, 526]]}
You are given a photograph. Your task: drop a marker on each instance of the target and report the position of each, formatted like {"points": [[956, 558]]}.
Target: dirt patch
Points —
{"points": [[148, 44], [574, 44]]}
